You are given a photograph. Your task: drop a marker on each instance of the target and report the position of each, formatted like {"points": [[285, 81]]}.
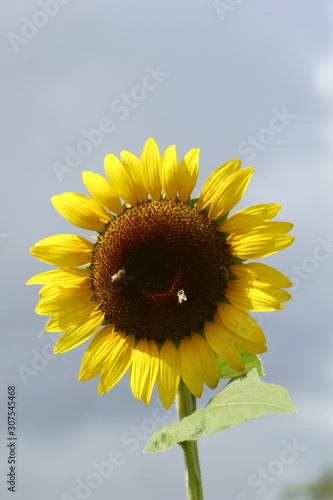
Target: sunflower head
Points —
{"points": [[162, 289]]}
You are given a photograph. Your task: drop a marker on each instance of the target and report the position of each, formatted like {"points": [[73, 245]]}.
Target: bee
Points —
{"points": [[181, 296], [224, 271], [118, 276]]}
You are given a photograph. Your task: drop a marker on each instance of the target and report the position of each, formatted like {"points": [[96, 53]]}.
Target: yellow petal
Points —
{"points": [[153, 370], [270, 227], [81, 210], [261, 272], [241, 323], [276, 293], [207, 360], [117, 363], [170, 172], [223, 346], [63, 297], [191, 371], [133, 167], [119, 179], [101, 191], [188, 174], [63, 250], [256, 214], [48, 289], [62, 277], [257, 246], [151, 168], [215, 181], [140, 367], [97, 352], [241, 342], [246, 345], [229, 194], [247, 298], [76, 334], [69, 316], [168, 374]]}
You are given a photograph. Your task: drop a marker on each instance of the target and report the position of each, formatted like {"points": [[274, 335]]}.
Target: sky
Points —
{"points": [[239, 79]]}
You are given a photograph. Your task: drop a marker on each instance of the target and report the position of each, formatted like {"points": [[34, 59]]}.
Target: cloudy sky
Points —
{"points": [[248, 79]]}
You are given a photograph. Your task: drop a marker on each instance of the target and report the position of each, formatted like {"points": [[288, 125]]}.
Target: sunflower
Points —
{"points": [[162, 289]]}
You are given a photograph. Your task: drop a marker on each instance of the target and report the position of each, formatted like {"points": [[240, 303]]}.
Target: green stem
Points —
{"points": [[186, 404]]}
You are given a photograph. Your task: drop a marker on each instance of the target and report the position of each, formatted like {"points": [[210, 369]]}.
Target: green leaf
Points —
{"points": [[242, 399], [250, 361]]}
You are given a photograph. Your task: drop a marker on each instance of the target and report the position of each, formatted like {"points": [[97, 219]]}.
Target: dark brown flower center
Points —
{"points": [[158, 270]]}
